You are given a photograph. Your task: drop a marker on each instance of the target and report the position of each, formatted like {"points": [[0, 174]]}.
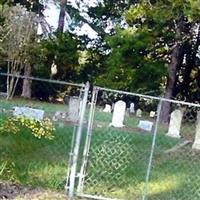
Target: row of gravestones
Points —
{"points": [[117, 118], [108, 108], [119, 114], [174, 125], [38, 114]]}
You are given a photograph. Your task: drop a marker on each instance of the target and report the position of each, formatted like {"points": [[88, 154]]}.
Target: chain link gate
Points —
{"points": [[134, 162], [107, 156]]}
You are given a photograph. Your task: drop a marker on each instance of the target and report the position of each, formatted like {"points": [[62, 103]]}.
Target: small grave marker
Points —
{"points": [[139, 113], [152, 114], [145, 125], [30, 113], [175, 124], [107, 108], [132, 108], [74, 108]]}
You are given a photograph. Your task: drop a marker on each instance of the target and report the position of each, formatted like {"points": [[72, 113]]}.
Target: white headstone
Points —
{"points": [[107, 108], [29, 113], [175, 124], [74, 105], [132, 108], [139, 112], [196, 144], [118, 114], [145, 125], [152, 114]]}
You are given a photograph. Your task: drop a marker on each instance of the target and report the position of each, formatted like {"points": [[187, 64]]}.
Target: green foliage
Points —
{"points": [[141, 51], [130, 61], [37, 128], [63, 48], [92, 65]]}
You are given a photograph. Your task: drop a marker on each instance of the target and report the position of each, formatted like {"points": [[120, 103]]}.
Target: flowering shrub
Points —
{"points": [[39, 129]]}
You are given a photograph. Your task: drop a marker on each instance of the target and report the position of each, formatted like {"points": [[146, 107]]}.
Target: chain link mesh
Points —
{"points": [[116, 161], [39, 161], [175, 170], [118, 157]]}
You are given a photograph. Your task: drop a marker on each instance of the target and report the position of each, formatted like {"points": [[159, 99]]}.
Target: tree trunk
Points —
{"points": [[176, 61], [61, 20], [12, 81], [26, 88], [191, 57]]}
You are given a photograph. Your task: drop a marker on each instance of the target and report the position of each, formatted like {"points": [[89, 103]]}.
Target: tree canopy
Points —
{"points": [[140, 45]]}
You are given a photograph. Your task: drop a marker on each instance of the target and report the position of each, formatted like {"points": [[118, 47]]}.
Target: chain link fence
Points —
{"points": [[175, 170], [36, 134], [107, 145], [130, 154]]}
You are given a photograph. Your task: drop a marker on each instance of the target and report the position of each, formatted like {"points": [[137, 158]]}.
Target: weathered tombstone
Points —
{"points": [[196, 144], [30, 113], [152, 114], [132, 108], [145, 125], [74, 105], [175, 124], [57, 116], [138, 112], [107, 108], [118, 114]]}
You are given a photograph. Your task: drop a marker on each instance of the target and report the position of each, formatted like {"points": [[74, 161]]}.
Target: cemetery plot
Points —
{"points": [[119, 152]]}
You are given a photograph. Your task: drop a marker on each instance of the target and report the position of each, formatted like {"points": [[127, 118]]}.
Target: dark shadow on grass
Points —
{"points": [[36, 162]]}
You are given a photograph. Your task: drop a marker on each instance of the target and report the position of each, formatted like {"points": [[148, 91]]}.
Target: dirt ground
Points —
{"points": [[10, 191]]}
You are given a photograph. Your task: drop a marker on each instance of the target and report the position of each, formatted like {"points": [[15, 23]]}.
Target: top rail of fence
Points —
{"points": [[43, 79], [102, 88], [149, 97]]}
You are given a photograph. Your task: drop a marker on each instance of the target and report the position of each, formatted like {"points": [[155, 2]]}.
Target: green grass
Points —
{"points": [[37, 162], [48, 107], [118, 159], [118, 164]]}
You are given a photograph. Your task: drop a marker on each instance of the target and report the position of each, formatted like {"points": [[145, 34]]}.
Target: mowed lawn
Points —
{"points": [[117, 162]]}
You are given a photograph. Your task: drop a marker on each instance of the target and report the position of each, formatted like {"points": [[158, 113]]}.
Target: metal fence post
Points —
{"points": [[77, 143], [88, 140], [146, 187]]}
